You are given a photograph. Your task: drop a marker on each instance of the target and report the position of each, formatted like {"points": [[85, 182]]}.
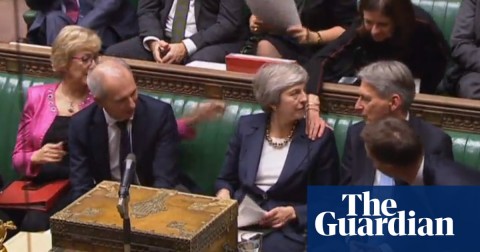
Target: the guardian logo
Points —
{"points": [[378, 219]]}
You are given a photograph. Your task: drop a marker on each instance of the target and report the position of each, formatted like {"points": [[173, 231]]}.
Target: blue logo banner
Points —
{"points": [[401, 218]]}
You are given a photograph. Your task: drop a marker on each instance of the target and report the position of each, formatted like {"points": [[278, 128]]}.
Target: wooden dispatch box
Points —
{"points": [[161, 220]]}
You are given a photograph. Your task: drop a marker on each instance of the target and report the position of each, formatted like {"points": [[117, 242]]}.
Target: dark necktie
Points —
{"points": [[124, 145], [72, 9], [180, 21]]}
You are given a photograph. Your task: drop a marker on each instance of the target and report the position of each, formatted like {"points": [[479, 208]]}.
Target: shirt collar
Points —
{"points": [[110, 120], [419, 177]]}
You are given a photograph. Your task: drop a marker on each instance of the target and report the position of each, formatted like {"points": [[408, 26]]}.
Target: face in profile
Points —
{"points": [[121, 97], [371, 105], [380, 26], [292, 103], [79, 66]]}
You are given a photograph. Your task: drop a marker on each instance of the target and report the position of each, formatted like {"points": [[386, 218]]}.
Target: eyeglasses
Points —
{"points": [[87, 59]]}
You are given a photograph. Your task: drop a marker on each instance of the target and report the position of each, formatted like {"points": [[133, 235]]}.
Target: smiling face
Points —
{"points": [[378, 25], [292, 103]]}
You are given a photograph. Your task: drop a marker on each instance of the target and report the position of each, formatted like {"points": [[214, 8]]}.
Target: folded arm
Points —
{"points": [[465, 48], [101, 14]]}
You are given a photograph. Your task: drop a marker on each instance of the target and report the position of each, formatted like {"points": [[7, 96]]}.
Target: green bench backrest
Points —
{"points": [[202, 157], [443, 12]]}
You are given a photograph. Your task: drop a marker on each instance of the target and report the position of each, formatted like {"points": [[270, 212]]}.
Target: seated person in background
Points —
{"points": [[41, 150], [466, 50], [181, 31], [396, 150], [112, 20], [387, 89], [120, 122], [323, 21], [387, 30], [271, 160]]}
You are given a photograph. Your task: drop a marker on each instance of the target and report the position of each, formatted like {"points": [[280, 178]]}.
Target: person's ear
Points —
{"points": [[395, 102]]}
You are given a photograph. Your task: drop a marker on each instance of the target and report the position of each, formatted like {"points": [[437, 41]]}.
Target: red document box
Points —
{"points": [[248, 63], [22, 195]]}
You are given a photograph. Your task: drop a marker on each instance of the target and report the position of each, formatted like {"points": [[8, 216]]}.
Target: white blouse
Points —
{"points": [[271, 164]]}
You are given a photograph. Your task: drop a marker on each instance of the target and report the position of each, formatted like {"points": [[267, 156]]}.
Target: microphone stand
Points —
{"points": [[122, 208]]}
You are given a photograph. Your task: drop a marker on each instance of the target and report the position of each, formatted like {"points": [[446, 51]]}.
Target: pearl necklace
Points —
{"points": [[279, 145]]}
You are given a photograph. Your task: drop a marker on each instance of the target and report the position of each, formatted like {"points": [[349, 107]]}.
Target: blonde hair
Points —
{"points": [[71, 40]]}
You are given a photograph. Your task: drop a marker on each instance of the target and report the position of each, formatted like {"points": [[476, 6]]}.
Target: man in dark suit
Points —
{"points": [[121, 122], [396, 150], [113, 20], [387, 89], [180, 31]]}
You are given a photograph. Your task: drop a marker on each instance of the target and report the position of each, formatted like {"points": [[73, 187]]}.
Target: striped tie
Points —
{"points": [[180, 21]]}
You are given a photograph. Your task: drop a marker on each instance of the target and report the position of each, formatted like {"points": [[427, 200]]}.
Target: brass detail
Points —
{"points": [[200, 206], [151, 206], [4, 227], [180, 225]]}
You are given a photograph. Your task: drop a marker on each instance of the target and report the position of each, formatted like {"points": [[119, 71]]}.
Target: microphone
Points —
{"points": [[130, 164]]}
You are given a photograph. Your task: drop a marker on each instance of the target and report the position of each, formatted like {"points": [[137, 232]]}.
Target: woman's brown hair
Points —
{"points": [[401, 12]]}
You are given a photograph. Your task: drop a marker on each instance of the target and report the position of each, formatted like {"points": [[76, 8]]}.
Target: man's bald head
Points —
{"points": [[106, 75], [113, 87]]}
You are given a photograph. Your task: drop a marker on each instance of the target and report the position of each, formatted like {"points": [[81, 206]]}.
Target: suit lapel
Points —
{"points": [[100, 149], [297, 154], [198, 4], [139, 129], [253, 148]]}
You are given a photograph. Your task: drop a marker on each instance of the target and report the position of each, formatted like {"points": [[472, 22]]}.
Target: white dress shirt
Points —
{"points": [[190, 29], [419, 177], [271, 164], [114, 145]]}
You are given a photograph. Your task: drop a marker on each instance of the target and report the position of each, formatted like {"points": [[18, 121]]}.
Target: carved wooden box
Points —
{"points": [[161, 220]]}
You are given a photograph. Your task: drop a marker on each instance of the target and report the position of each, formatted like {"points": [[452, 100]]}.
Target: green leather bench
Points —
{"points": [[202, 157], [442, 11]]}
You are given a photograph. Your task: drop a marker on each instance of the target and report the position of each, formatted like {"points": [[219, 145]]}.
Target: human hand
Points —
{"points": [[176, 54], [223, 194], [159, 48], [278, 217], [209, 110], [302, 34], [49, 153]]}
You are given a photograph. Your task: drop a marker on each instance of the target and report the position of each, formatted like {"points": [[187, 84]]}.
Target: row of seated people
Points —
{"points": [[272, 156], [335, 39]]}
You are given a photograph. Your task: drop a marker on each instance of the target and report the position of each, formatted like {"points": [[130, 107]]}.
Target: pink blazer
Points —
{"points": [[38, 115]]}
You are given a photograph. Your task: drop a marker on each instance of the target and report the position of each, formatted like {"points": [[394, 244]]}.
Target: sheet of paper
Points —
{"points": [[249, 213], [279, 14], [208, 65]]}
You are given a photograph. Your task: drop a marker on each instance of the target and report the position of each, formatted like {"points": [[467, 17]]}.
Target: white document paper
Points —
{"points": [[279, 14], [249, 213]]}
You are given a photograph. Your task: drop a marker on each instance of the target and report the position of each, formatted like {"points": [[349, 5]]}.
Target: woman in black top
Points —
{"points": [[386, 30], [322, 21]]}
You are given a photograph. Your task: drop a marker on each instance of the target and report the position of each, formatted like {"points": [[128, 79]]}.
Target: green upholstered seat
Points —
{"points": [[443, 12], [201, 157]]}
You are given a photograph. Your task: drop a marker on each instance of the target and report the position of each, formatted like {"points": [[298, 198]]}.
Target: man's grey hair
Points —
{"points": [[272, 79], [389, 78], [96, 76]]}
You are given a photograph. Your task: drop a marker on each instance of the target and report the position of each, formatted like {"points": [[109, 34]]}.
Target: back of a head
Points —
{"points": [[393, 142], [389, 78]]}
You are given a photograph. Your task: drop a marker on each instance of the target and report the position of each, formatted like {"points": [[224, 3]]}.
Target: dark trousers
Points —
{"points": [[133, 49], [52, 23]]}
